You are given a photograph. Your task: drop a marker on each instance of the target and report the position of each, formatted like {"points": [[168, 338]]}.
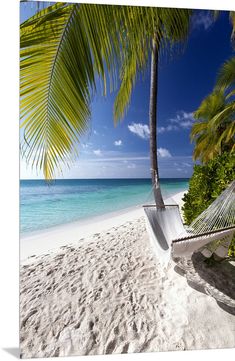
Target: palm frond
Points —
{"points": [[135, 52], [232, 20], [206, 148], [224, 116], [142, 25], [215, 128], [62, 51], [226, 75], [197, 129], [65, 49], [210, 106]]}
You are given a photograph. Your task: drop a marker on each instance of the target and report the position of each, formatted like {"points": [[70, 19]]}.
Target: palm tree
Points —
{"points": [[226, 76], [215, 131], [226, 83], [64, 49], [206, 138], [170, 26]]}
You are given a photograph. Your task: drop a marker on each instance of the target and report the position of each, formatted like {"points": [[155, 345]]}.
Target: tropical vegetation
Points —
{"points": [[214, 132], [214, 137], [65, 50], [207, 183]]}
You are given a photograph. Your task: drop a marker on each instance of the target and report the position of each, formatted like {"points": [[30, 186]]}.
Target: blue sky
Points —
{"points": [[109, 151]]}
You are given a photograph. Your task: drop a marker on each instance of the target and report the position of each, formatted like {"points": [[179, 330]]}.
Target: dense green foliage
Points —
{"points": [[214, 136], [231, 251], [214, 130], [206, 184]]}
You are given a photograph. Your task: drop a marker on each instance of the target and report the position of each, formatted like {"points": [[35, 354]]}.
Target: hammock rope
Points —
{"points": [[219, 215], [169, 235]]}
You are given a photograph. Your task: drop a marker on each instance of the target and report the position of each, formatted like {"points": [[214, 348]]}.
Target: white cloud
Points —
{"points": [[95, 132], [142, 130], [187, 165], [183, 119], [116, 165], [118, 143], [131, 166], [86, 145], [124, 159], [202, 19], [168, 128], [163, 153], [97, 152]]}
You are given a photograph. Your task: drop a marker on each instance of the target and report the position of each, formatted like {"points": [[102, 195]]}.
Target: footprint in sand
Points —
{"points": [[116, 330], [125, 348], [91, 325], [101, 275], [111, 346], [180, 345], [98, 294], [73, 289]]}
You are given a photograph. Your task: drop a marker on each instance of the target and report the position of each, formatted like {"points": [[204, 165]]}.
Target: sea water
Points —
{"points": [[44, 205]]}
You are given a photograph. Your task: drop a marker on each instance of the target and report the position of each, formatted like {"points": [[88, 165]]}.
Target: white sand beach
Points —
{"points": [[98, 288]]}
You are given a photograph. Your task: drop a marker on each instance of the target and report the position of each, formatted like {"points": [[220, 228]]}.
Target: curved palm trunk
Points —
{"points": [[153, 126]]}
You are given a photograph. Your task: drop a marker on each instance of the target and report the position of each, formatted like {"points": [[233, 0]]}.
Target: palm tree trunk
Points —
{"points": [[153, 125]]}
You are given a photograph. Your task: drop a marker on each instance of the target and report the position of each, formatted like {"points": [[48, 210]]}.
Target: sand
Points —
{"points": [[107, 293]]}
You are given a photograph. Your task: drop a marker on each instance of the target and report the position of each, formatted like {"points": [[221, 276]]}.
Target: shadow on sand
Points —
{"points": [[216, 281]]}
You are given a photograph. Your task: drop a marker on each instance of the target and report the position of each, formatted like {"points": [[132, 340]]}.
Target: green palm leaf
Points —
{"points": [[54, 99], [168, 26], [214, 130], [59, 63], [65, 49], [226, 75], [232, 19]]}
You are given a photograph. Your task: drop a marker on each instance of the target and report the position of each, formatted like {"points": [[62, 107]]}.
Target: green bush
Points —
{"points": [[231, 251], [206, 184]]}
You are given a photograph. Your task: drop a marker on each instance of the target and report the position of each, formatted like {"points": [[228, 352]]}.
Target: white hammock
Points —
{"points": [[169, 236]]}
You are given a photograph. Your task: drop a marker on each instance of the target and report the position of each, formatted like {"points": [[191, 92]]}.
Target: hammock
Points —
{"points": [[171, 238]]}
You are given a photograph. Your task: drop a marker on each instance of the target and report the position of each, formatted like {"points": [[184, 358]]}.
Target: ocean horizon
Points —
{"points": [[44, 205]]}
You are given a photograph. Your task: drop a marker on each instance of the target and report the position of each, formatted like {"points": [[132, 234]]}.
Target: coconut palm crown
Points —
{"points": [[215, 130], [65, 50]]}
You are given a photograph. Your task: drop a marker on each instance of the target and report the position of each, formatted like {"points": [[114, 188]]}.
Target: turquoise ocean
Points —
{"points": [[45, 205]]}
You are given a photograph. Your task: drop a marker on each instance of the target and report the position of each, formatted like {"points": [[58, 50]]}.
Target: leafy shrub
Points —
{"points": [[231, 251], [206, 184]]}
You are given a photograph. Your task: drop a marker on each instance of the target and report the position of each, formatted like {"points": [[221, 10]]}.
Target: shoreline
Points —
{"points": [[108, 293], [49, 240]]}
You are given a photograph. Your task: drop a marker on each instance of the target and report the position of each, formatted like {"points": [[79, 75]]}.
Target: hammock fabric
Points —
{"points": [[171, 238]]}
